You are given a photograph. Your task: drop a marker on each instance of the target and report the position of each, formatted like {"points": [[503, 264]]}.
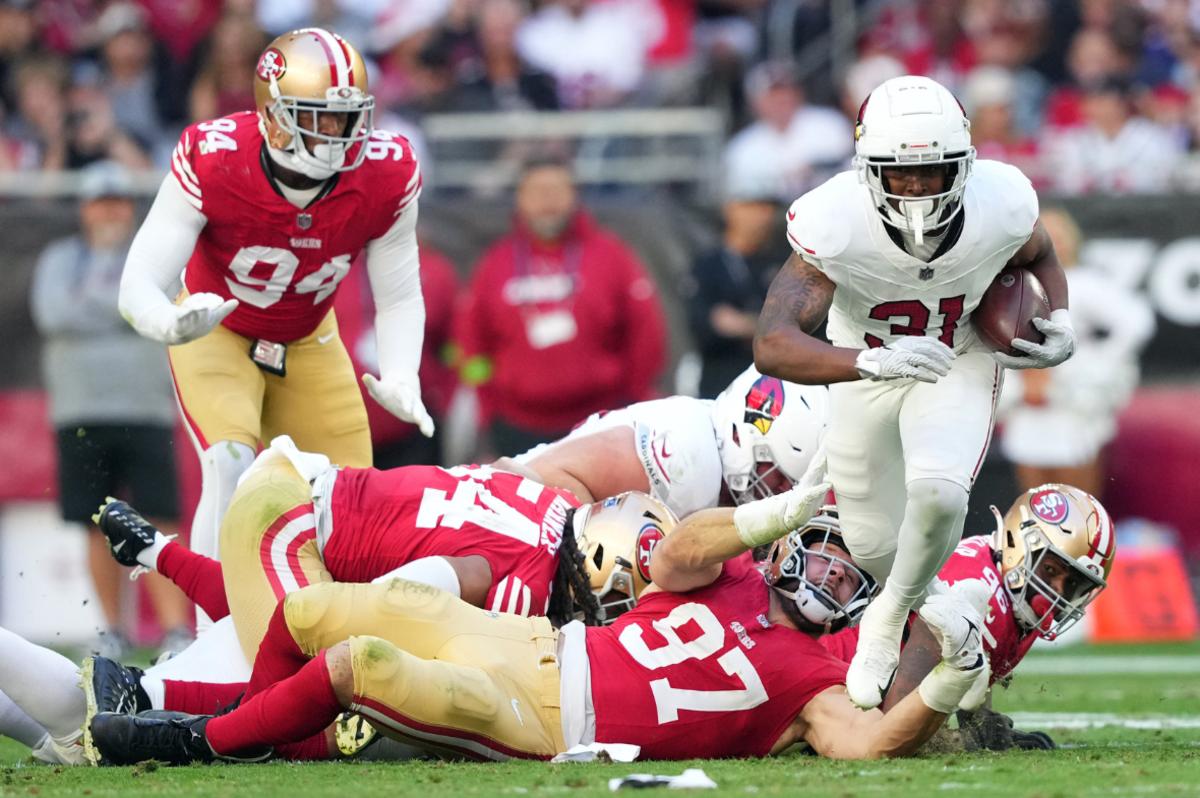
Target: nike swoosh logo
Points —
{"points": [[791, 215], [117, 548], [326, 338], [517, 711]]}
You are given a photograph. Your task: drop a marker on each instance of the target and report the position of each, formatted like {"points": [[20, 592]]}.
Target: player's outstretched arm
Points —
{"points": [[834, 727], [796, 304], [692, 555]]}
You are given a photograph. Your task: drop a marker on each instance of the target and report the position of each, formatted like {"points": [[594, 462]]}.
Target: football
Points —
{"points": [[1009, 306]]}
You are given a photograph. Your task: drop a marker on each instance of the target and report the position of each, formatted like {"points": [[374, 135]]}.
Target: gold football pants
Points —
{"points": [[432, 670], [268, 547], [225, 397]]}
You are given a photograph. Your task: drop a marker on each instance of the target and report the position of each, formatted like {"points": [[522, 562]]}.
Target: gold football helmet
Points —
{"points": [[800, 568], [299, 76], [617, 537], [1057, 546]]}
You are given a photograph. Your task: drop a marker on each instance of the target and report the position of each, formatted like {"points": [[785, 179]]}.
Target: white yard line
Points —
{"points": [[1097, 720], [1117, 665]]}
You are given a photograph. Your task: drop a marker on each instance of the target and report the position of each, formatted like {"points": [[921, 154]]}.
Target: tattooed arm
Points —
{"points": [[796, 305]]}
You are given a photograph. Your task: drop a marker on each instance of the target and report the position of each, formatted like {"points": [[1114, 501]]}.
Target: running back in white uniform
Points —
{"points": [[885, 434]]}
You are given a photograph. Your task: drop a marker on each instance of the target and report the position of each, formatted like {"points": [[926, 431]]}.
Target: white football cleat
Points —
{"points": [[875, 660]]}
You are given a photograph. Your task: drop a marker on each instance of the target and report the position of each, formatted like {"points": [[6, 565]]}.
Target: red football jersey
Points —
{"points": [[384, 519], [281, 262], [704, 673], [1003, 639]]}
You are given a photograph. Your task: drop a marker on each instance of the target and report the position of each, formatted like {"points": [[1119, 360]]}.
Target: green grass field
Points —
{"points": [[1129, 726]]}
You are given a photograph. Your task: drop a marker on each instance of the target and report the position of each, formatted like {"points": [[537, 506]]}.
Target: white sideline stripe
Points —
{"points": [[1098, 720], [1117, 665]]}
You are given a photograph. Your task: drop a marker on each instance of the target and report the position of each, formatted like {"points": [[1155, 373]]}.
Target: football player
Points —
{"points": [[1048, 558], [747, 677], [615, 541], [755, 440], [898, 253], [262, 213]]}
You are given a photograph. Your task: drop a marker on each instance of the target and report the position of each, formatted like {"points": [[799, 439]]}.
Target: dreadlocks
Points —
{"points": [[571, 590]]}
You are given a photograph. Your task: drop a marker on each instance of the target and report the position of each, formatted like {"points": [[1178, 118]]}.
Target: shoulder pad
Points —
{"points": [[391, 161], [1009, 191], [818, 223]]}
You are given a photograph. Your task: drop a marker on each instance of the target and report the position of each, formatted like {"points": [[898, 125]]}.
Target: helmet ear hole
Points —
{"points": [[598, 556]]}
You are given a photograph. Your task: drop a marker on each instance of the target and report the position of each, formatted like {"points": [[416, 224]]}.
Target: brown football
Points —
{"points": [[1009, 306]]}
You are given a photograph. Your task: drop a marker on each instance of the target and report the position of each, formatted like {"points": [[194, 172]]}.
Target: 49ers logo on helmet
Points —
{"points": [[648, 537], [272, 64], [764, 403], [1050, 506]]}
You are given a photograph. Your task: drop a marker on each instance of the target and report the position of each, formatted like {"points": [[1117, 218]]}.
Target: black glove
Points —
{"points": [[987, 730]]}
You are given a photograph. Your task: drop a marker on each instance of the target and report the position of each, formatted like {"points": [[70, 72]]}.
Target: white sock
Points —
{"points": [[44, 683], [155, 690], [149, 555], [220, 466], [16, 724]]}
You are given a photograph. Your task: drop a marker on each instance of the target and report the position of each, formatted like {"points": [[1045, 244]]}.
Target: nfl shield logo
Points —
{"points": [[926, 273]]}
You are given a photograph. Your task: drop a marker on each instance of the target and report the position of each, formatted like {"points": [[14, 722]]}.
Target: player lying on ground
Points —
{"points": [[754, 440], [718, 658], [1048, 558]]}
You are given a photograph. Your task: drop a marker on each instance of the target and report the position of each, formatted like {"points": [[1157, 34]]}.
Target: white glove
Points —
{"points": [[193, 318], [955, 617], [1058, 346], [402, 398], [912, 357], [766, 520]]}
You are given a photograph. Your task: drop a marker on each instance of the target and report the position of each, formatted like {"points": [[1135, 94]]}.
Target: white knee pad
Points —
{"points": [[220, 466], [934, 505]]}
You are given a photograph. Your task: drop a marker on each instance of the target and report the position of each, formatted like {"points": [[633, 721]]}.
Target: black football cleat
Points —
{"points": [[175, 738], [127, 532], [108, 686]]}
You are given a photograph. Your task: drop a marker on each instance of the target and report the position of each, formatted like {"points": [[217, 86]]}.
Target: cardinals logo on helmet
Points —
{"points": [[648, 537], [764, 403], [271, 65], [1050, 506]]}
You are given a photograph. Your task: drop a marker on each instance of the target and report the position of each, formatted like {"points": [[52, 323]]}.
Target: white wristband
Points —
{"points": [[943, 688]]}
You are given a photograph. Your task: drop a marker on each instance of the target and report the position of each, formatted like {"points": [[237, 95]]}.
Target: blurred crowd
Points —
{"points": [[1085, 95]]}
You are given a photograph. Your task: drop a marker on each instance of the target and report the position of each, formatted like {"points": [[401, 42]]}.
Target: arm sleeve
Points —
{"points": [[394, 274], [157, 256]]}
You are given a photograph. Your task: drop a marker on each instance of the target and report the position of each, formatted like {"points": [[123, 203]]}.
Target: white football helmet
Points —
{"points": [[1071, 527], [767, 431], [302, 74], [801, 568], [913, 121]]}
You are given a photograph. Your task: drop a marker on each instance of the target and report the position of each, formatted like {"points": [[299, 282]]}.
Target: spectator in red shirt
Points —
{"points": [[394, 442], [560, 319]]}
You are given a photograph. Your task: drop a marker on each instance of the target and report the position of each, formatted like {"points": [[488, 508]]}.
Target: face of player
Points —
{"points": [[327, 123], [546, 200], [842, 582], [773, 478], [914, 181], [1061, 578]]}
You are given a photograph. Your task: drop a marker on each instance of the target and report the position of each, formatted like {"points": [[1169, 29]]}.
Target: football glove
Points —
{"points": [[766, 520], [402, 398], [912, 357], [955, 617], [193, 318], [1058, 346]]}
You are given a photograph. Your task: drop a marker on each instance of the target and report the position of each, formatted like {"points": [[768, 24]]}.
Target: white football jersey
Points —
{"points": [[883, 293], [675, 443]]}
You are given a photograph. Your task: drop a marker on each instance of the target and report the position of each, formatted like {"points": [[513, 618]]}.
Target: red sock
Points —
{"points": [[315, 747], [200, 698], [287, 712], [199, 577], [278, 655]]}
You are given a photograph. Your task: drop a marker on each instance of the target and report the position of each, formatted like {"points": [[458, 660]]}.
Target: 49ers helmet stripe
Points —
{"points": [[339, 61]]}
